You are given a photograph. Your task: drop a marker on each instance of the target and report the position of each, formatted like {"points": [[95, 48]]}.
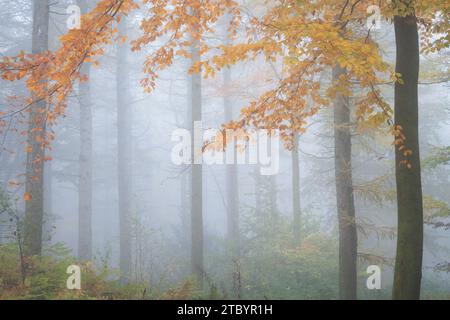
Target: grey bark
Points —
{"points": [[273, 194], [48, 214], [124, 137], [85, 165], [258, 191], [34, 209], [232, 190], [297, 213], [186, 178], [197, 176], [408, 262], [344, 194]]}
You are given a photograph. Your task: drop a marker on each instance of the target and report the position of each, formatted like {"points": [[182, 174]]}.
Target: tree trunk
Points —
{"points": [[408, 263], [48, 214], [184, 208], [34, 208], [273, 195], [197, 174], [297, 213], [231, 169], [258, 192], [85, 173], [124, 141], [85, 169], [232, 186], [185, 181], [348, 241]]}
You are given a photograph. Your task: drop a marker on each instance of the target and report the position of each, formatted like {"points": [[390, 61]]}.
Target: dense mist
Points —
{"points": [[238, 182]]}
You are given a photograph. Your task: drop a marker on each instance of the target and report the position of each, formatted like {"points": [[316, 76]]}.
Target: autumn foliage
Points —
{"points": [[305, 38]]}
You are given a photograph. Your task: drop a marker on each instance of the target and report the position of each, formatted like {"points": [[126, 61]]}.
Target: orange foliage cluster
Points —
{"points": [[306, 37], [180, 24], [50, 76]]}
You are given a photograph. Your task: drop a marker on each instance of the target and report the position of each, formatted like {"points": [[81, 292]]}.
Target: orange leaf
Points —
{"points": [[27, 196]]}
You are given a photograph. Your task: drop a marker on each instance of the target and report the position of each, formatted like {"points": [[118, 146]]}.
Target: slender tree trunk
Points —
{"points": [[197, 175], [273, 195], [408, 263], [85, 173], [348, 241], [231, 170], [258, 192], [297, 213], [184, 208], [232, 186], [48, 214], [232, 208], [34, 208], [124, 137], [85, 169], [185, 181]]}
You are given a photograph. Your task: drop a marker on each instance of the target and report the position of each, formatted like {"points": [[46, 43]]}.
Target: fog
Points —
{"points": [[133, 175]]}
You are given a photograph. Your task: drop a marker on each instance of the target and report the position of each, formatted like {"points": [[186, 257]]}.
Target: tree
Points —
{"points": [[434, 18], [344, 193], [124, 156], [308, 37], [408, 262], [34, 207], [85, 169], [197, 171], [232, 188], [297, 211]]}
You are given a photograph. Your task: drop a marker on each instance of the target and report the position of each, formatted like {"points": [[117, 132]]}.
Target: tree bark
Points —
{"points": [[184, 208], [231, 169], [124, 141], [344, 194], [232, 196], [186, 178], [34, 208], [273, 196], [297, 213], [408, 262], [85, 169], [48, 214], [197, 174]]}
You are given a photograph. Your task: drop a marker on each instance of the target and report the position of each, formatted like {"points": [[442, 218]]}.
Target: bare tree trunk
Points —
{"points": [[85, 169], [344, 194], [34, 208], [85, 173], [48, 214], [258, 191], [184, 207], [232, 186], [185, 181], [197, 175], [124, 137], [231, 170], [273, 194], [297, 213], [408, 263]]}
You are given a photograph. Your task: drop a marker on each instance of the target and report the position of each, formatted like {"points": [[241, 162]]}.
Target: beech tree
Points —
{"points": [[348, 243], [408, 262], [232, 186], [296, 208], [197, 250], [34, 185], [85, 170], [124, 154], [309, 38]]}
